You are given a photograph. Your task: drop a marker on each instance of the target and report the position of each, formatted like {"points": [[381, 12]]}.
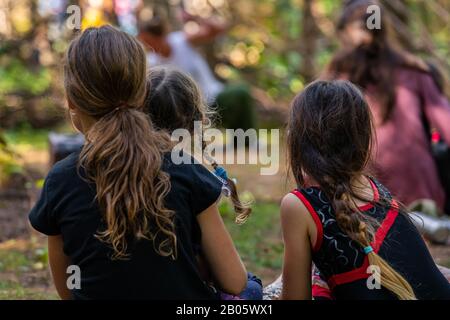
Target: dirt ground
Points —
{"points": [[23, 268]]}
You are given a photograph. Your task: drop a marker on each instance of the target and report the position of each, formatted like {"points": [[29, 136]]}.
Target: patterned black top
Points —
{"points": [[343, 263]]}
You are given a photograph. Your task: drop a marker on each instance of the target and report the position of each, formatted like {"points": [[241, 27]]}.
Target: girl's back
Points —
{"points": [[349, 225], [344, 265], [67, 207]]}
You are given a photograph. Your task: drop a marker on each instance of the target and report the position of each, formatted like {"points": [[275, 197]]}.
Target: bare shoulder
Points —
{"points": [[293, 210]]}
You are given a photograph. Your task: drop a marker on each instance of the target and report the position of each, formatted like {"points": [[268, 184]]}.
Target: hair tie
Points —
{"points": [[221, 172], [122, 105], [368, 249]]}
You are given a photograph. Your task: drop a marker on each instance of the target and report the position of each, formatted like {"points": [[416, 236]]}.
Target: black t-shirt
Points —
{"points": [[67, 206]]}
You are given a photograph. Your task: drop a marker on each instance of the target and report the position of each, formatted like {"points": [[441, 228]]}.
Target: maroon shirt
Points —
{"points": [[402, 157]]}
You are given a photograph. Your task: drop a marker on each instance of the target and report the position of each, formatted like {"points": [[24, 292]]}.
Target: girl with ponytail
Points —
{"points": [[340, 218], [174, 101], [120, 211]]}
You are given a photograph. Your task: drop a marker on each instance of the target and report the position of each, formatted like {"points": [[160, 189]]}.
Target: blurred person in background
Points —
{"points": [[403, 95], [125, 11], [55, 12], [179, 50]]}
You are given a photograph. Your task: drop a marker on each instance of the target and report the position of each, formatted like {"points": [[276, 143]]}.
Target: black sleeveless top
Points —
{"points": [[343, 264]]}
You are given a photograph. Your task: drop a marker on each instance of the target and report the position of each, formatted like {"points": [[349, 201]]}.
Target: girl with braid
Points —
{"points": [[340, 218]]}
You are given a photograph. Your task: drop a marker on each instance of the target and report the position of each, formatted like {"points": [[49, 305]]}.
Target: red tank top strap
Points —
{"points": [[315, 217], [376, 197], [380, 235]]}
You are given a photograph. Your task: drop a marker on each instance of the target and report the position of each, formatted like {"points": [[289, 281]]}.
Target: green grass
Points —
{"points": [[12, 290], [16, 265], [20, 262], [14, 261], [258, 240]]}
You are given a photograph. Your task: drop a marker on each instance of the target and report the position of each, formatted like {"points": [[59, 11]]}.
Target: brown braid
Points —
{"points": [[242, 210]]}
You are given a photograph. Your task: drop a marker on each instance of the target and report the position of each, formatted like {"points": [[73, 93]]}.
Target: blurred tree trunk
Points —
{"points": [[399, 13], [399, 8], [308, 45]]}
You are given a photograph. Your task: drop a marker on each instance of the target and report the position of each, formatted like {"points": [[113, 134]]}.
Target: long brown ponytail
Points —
{"points": [[123, 155], [330, 137]]}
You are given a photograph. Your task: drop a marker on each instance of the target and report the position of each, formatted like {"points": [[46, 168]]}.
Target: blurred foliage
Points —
{"points": [[236, 107], [15, 143], [274, 45], [30, 90], [26, 137], [16, 77], [8, 165], [267, 45]]}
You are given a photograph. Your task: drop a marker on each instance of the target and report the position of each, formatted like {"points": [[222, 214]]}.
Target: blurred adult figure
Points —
{"points": [[177, 48], [402, 95]]}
